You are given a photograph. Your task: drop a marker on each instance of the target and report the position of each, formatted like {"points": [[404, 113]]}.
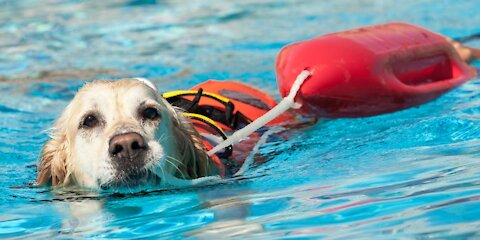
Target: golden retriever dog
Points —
{"points": [[122, 133]]}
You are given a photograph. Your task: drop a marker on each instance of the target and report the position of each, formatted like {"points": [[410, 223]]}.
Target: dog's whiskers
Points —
{"points": [[162, 137], [183, 176], [163, 172], [176, 160]]}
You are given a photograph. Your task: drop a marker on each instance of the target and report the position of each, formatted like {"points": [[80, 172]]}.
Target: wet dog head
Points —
{"points": [[121, 134]]}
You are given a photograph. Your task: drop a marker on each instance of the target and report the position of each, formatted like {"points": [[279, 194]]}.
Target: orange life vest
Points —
{"points": [[221, 107]]}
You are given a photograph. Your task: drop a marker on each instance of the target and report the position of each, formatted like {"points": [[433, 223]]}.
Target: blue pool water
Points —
{"points": [[410, 174]]}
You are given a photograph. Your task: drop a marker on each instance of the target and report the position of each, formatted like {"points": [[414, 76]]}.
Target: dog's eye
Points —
{"points": [[150, 113], [90, 121]]}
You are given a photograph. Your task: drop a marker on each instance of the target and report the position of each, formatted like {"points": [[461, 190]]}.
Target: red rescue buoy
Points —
{"points": [[371, 70]]}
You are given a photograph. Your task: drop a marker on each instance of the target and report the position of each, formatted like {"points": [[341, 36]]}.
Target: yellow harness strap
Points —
{"points": [[180, 93], [200, 117], [208, 121]]}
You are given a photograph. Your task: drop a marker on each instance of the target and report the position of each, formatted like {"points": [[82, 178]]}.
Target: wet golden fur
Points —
{"points": [[75, 156]]}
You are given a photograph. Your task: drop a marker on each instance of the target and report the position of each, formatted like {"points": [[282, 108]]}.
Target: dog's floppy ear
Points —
{"points": [[193, 156], [53, 165]]}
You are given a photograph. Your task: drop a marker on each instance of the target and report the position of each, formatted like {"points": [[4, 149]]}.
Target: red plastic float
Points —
{"points": [[357, 73], [371, 70]]}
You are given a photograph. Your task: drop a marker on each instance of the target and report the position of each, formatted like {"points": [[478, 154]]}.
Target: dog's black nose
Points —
{"points": [[127, 145]]}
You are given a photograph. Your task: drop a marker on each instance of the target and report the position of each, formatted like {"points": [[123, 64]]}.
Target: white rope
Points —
{"points": [[251, 157], [286, 103]]}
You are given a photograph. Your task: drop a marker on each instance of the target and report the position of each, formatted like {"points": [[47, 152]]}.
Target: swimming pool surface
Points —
{"points": [[410, 174]]}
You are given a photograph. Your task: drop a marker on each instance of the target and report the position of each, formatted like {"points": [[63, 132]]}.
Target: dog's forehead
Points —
{"points": [[126, 91]]}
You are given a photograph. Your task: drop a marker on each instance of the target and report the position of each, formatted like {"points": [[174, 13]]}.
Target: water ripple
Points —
{"points": [[410, 174]]}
